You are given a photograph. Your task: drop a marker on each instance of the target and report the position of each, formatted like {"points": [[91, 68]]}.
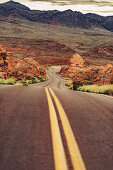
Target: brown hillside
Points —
{"points": [[43, 51], [100, 53]]}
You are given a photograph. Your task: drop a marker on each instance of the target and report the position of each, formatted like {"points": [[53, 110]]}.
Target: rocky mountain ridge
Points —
{"points": [[67, 18]]}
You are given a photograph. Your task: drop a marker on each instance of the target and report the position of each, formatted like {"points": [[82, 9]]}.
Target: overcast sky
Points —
{"points": [[102, 7]]}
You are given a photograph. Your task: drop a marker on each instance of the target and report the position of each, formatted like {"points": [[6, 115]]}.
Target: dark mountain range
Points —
{"points": [[67, 18]]}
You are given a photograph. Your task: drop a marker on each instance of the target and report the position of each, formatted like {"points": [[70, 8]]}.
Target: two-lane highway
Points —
{"points": [[47, 127], [58, 149]]}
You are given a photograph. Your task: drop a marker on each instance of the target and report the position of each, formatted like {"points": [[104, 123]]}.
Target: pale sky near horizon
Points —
{"points": [[101, 7]]}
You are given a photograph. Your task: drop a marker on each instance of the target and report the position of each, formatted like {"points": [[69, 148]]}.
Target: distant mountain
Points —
{"points": [[13, 5], [67, 18]]}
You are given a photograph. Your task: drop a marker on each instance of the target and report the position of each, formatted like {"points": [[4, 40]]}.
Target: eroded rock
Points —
{"points": [[87, 74], [11, 66]]}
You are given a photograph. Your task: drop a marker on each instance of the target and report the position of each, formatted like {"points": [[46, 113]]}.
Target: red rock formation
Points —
{"points": [[11, 66], [76, 60], [87, 74], [54, 23]]}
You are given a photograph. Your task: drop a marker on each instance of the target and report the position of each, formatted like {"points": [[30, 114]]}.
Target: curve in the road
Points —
{"points": [[25, 133], [76, 158]]}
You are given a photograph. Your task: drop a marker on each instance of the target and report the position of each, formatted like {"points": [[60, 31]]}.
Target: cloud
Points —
{"points": [[101, 7], [76, 2]]}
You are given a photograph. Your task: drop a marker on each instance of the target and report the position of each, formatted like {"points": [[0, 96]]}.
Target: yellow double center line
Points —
{"points": [[58, 149]]}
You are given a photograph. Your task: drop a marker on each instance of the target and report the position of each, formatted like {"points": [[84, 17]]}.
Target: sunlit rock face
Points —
{"points": [[78, 70], [11, 66], [76, 60]]}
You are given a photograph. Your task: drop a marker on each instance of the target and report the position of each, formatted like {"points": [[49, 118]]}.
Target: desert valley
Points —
{"points": [[51, 41], [56, 89]]}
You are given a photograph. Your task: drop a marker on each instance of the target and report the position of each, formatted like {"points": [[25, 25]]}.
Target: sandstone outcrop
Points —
{"points": [[88, 74], [11, 66], [77, 60]]}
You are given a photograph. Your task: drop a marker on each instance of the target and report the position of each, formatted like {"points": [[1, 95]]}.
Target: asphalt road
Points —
{"points": [[26, 142]]}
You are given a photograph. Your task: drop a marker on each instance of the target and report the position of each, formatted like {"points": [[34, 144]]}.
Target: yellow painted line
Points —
{"points": [[76, 158], [58, 149]]}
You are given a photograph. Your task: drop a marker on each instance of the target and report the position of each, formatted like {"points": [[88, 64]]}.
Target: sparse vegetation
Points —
{"points": [[68, 84], [32, 81], [41, 79], [7, 81], [95, 70], [81, 72], [28, 78], [76, 85], [73, 85], [104, 89], [111, 80], [24, 82]]}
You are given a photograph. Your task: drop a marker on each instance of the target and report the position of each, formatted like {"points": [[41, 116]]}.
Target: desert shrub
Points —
{"points": [[81, 72], [68, 84], [89, 88], [95, 70], [41, 79], [108, 92], [33, 81], [111, 81], [10, 81], [104, 89], [1, 81], [7, 81], [83, 88], [28, 78], [76, 85], [71, 87], [24, 83]]}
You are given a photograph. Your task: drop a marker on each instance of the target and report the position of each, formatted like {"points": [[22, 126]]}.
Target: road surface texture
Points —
{"points": [[35, 131]]}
